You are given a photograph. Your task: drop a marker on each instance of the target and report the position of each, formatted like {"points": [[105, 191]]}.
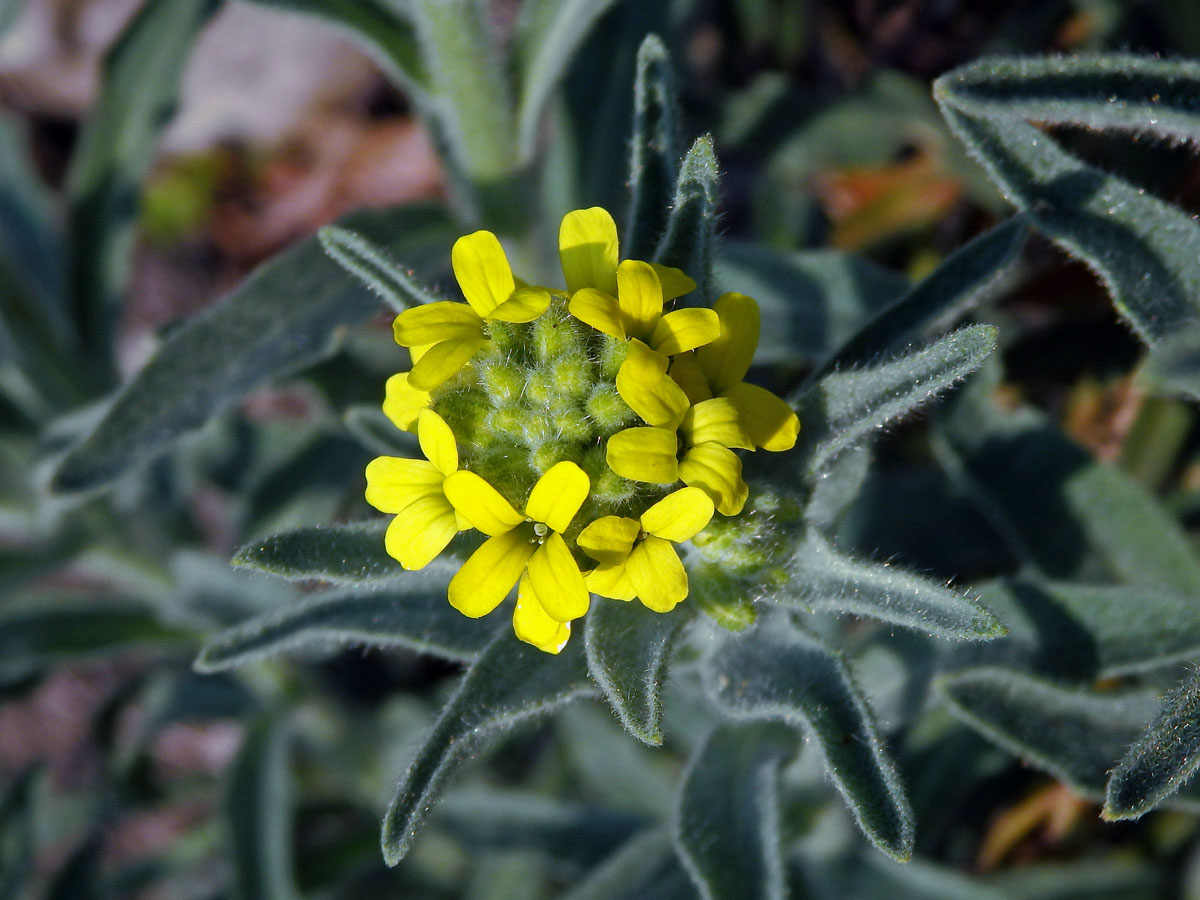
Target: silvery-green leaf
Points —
{"points": [[1110, 877], [628, 647], [595, 746], [508, 682], [778, 672], [645, 867], [825, 579], [727, 827], [691, 228], [349, 553], [1173, 364], [1163, 759], [412, 612], [371, 265], [654, 156], [375, 431], [845, 408], [871, 875], [287, 314]]}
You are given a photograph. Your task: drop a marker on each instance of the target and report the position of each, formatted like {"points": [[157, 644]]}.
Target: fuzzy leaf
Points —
{"points": [[258, 811], [371, 265], [727, 821], [824, 579], [349, 553], [413, 613], [141, 81], [286, 315], [777, 672], [645, 867], [1173, 364], [653, 163], [1146, 251], [17, 834], [1162, 760], [967, 277], [628, 647], [691, 229], [375, 431], [844, 408], [507, 683]]}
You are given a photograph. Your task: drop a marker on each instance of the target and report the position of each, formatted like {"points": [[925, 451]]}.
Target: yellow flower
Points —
{"points": [[529, 547], [451, 333], [412, 489], [707, 431], [636, 557], [402, 403], [589, 251], [717, 370]]}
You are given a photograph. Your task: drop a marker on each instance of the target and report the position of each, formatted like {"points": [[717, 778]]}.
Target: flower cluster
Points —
{"points": [[583, 433]]}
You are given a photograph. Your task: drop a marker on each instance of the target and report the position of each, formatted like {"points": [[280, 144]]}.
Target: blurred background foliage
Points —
{"points": [[154, 155]]}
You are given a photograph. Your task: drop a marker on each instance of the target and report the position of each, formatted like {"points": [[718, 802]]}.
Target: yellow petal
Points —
{"points": [[657, 574], [767, 419], [481, 504], [587, 247], [421, 531], [442, 362], [679, 516], [640, 296], [482, 270], [557, 581], [416, 351], [437, 322], [610, 538], [717, 471], [685, 329], [402, 403], [610, 580], [558, 495], [674, 282], [643, 383], [727, 359], [600, 310], [533, 626], [524, 305], [437, 441], [394, 482], [489, 574], [686, 373], [644, 454], [715, 421]]}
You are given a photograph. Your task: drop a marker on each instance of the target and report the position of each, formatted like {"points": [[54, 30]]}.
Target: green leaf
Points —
{"points": [[595, 746], [1163, 759], [1110, 877], [824, 579], [777, 672], [375, 431], [966, 278], [286, 315], [691, 230], [1117, 91], [844, 408], [645, 867], [371, 265], [654, 154], [727, 822], [508, 682], [336, 553], [139, 91], [550, 31], [258, 812], [1146, 252], [17, 835], [1173, 364], [412, 613], [628, 647]]}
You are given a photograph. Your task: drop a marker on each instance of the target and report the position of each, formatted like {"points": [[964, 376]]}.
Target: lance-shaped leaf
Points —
{"points": [[372, 266], [824, 579], [508, 682], [259, 815], [844, 408], [1112, 91], [962, 281], [1146, 251], [727, 828], [777, 672], [653, 161], [17, 837], [337, 553], [1075, 735], [627, 650], [286, 315], [646, 867], [691, 231], [116, 148], [1163, 759], [375, 431], [412, 612]]}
